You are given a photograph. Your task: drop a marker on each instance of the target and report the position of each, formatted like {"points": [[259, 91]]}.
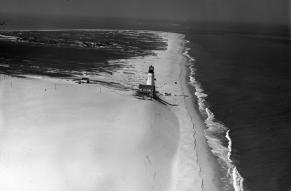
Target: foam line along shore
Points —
{"points": [[217, 135]]}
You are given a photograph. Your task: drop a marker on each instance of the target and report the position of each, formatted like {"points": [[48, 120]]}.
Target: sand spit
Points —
{"points": [[62, 136]]}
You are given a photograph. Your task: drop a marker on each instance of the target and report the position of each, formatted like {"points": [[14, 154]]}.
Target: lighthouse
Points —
{"points": [[148, 90], [151, 76]]}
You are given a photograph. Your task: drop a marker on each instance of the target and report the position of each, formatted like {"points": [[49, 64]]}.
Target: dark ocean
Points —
{"points": [[242, 79]]}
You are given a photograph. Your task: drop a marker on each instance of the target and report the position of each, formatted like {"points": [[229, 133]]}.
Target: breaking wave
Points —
{"points": [[217, 134]]}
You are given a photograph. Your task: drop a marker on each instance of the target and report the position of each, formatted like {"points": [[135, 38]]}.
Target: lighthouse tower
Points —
{"points": [[149, 89], [151, 76]]}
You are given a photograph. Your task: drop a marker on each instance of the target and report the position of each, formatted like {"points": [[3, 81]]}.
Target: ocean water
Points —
{"points": [[242, 81]]}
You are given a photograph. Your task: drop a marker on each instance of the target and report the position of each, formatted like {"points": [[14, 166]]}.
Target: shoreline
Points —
{"points": [[210, 173], [230, 178], [155, 147], [209, 167], [203, 174]]}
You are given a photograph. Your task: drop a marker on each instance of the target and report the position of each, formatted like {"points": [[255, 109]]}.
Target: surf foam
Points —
{"points": [[217, 134]]}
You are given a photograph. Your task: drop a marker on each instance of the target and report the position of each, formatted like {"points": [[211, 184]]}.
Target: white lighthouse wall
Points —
{"points": [[150, 80]]}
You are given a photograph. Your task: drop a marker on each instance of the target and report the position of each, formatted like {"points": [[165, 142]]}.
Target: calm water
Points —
{"points": [[246, 76]]}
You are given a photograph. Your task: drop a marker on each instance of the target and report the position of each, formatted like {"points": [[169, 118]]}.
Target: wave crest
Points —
{"points": [[217, 134]]}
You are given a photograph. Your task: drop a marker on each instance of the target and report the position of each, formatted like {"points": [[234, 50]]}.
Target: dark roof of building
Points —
{"points": [[149, 87], [151, 69]]}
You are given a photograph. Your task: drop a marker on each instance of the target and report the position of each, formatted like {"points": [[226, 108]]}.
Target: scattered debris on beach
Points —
{"points": [[84, 80], [110, 84], [167, 94]]}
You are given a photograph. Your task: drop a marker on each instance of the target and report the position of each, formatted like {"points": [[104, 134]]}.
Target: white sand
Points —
{"points": [[78, 138], [194, 167], [86, 137]]}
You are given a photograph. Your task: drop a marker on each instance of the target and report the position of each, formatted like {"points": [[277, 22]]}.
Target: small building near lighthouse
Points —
{"points": [[148, 89]]}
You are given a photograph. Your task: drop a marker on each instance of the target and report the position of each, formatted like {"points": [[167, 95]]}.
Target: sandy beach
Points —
{"points": [[60, 136]]}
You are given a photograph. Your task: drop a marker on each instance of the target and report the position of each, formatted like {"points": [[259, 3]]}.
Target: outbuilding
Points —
{"points": [[146, 90]]}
